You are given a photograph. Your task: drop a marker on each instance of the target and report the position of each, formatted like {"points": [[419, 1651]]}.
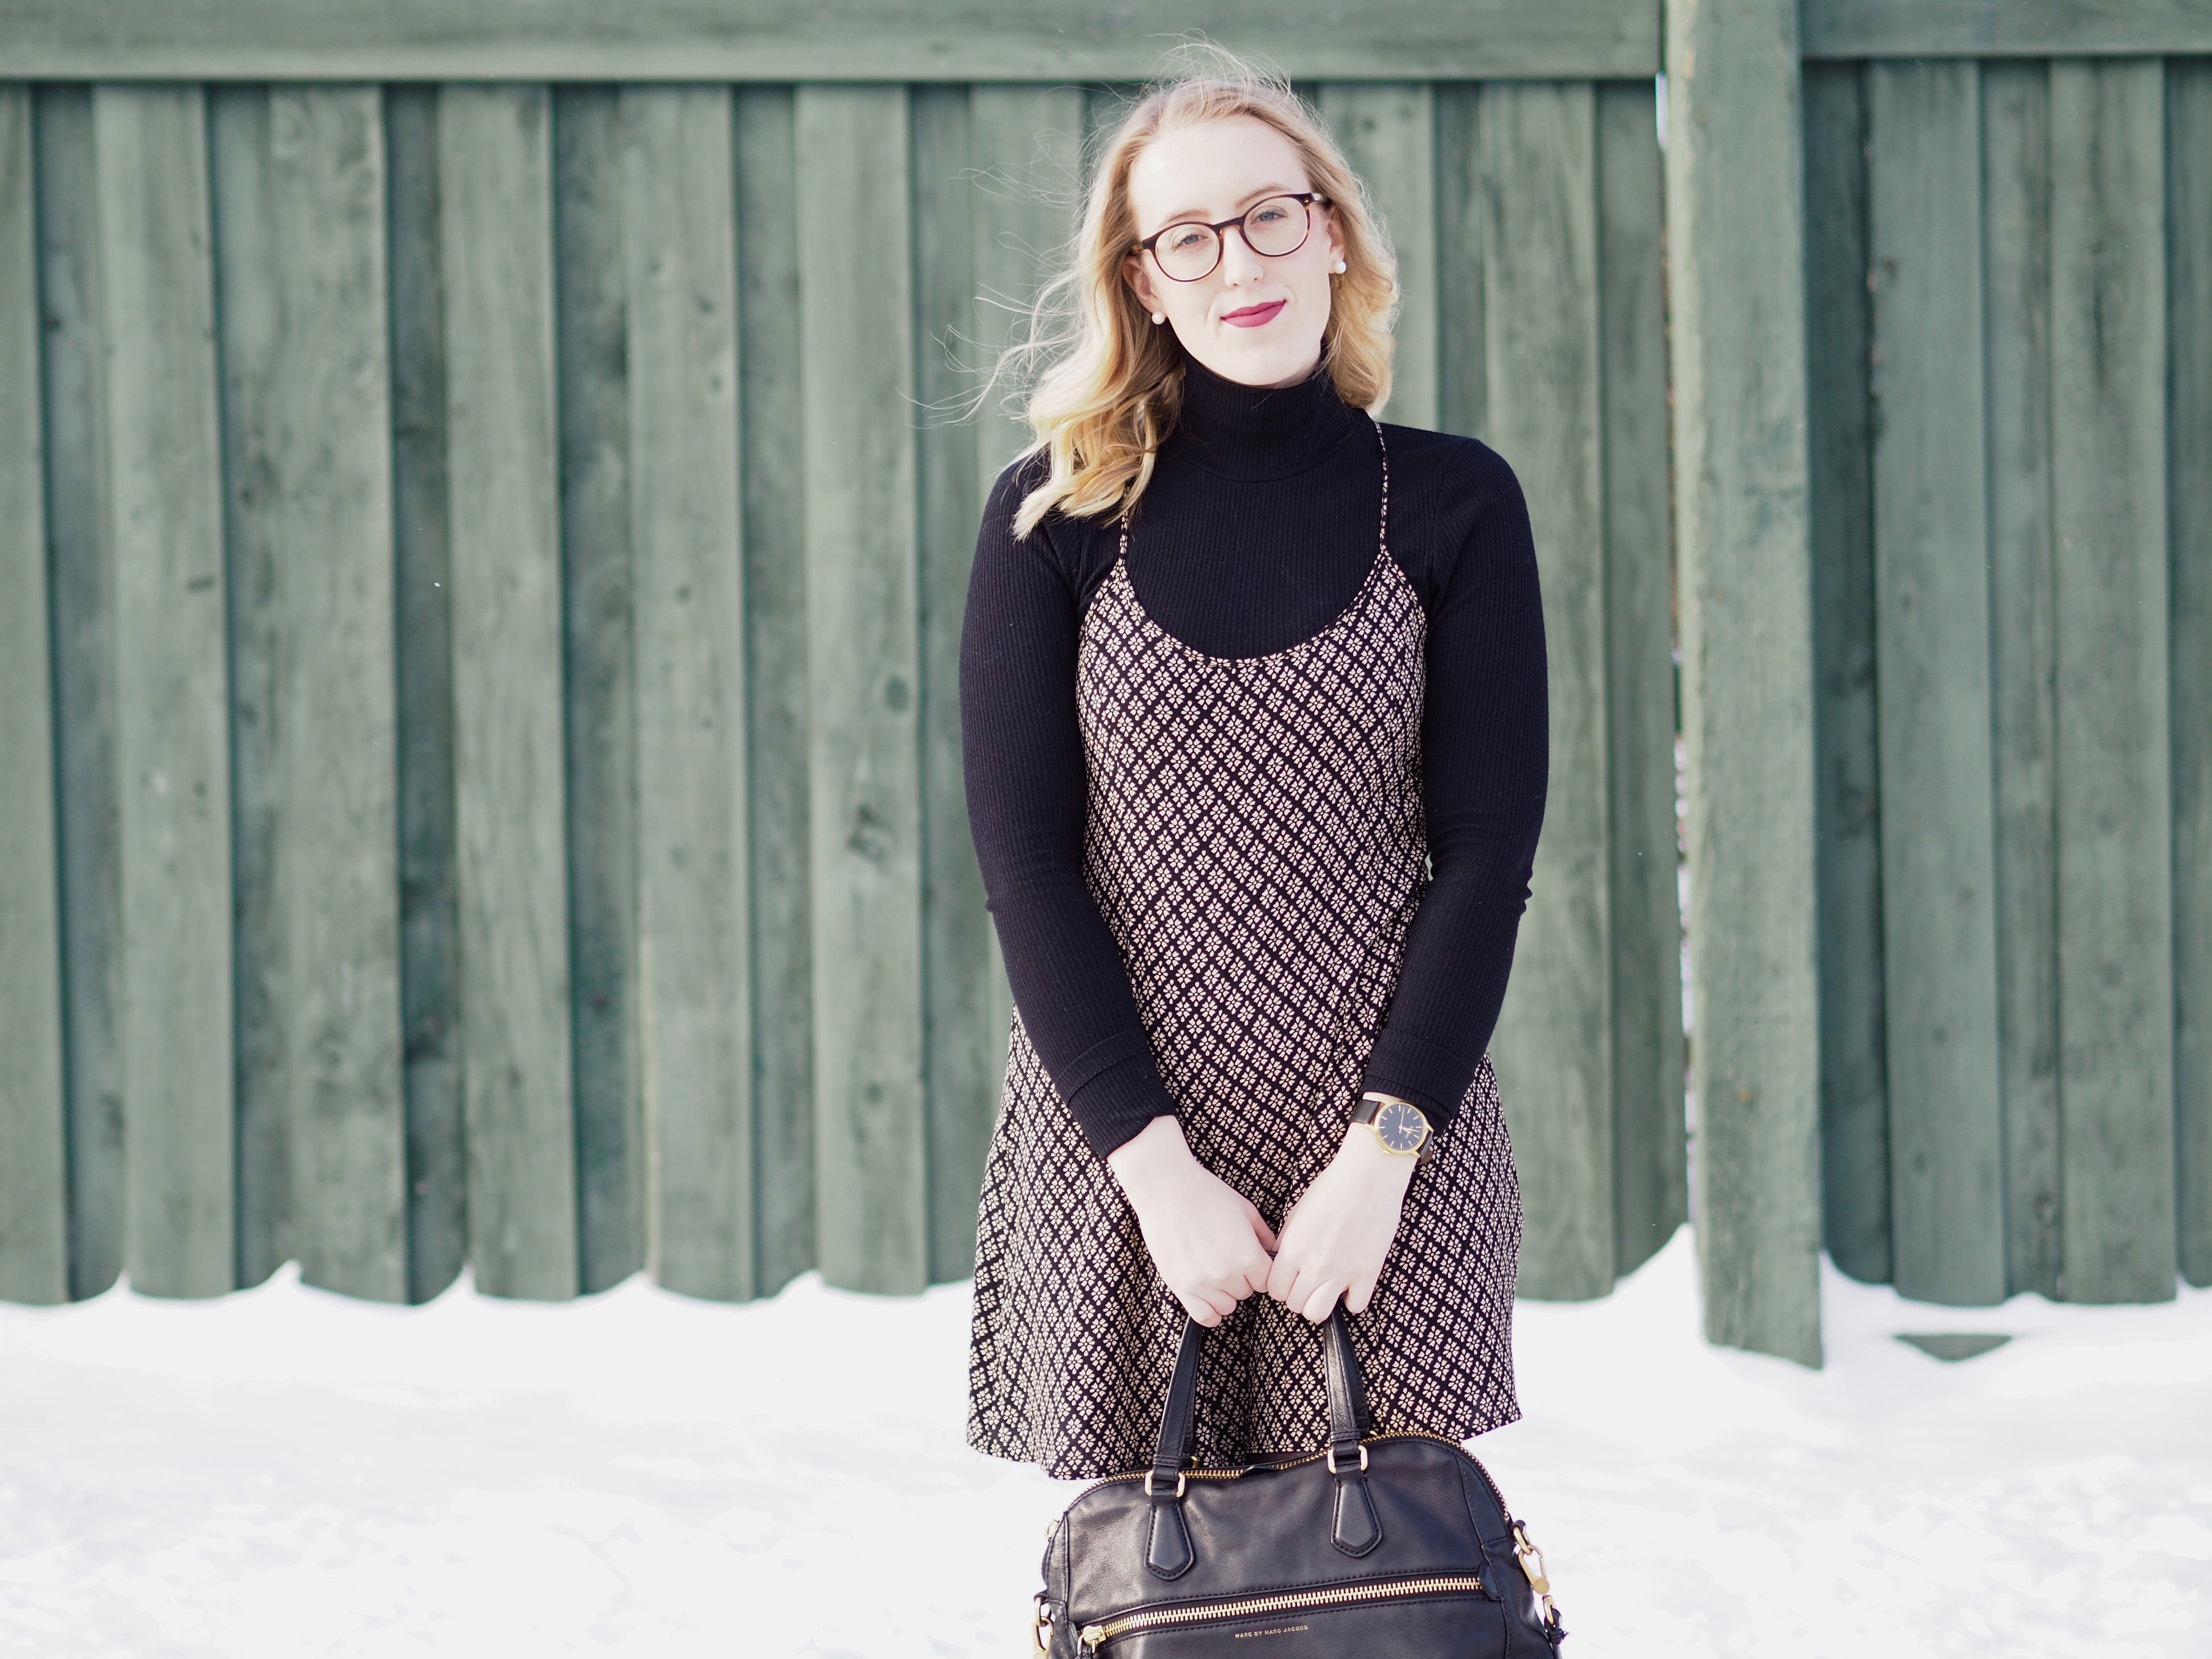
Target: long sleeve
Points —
{"points": [[1022, 761], [1486, 762]]}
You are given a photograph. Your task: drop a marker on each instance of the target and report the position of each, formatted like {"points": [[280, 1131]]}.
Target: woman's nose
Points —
{"points": [[1238, 262]]}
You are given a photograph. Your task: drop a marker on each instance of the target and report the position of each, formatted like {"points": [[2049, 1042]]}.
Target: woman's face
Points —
{"points": [[1256, 319]]}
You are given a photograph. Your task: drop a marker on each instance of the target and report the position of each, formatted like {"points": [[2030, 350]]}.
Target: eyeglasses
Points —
{"points": [[1188, 249]]}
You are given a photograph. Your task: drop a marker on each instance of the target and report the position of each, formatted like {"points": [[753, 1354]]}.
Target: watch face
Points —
{"points": [[1403, 1127]]}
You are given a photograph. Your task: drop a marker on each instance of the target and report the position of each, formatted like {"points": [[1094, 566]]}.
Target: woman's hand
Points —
{"points": [[1336, 1236], [1208, 1242]]}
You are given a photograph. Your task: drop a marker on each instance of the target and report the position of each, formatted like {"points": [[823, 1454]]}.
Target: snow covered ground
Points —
{"points": [[289, 1473]]}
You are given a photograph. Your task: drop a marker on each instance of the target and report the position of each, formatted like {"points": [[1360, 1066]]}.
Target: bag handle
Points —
{"points": [[1355, 1528], [1349, 1421]]}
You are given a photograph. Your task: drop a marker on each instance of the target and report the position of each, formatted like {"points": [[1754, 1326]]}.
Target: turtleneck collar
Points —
{"points": [[1254, 432]]}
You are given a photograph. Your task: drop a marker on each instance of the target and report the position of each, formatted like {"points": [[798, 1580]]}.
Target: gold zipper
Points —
{"points": [[1096, 1636]]}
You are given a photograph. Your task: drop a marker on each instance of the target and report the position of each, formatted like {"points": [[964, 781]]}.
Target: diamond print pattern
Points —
{"points": [[1255, 844]]}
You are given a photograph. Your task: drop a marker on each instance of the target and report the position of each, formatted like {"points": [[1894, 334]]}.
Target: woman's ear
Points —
{"points": [[1335, 236], [1140, 282]]}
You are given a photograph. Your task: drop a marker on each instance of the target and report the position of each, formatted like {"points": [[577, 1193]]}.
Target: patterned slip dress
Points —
{"points": [[1255, 844]]}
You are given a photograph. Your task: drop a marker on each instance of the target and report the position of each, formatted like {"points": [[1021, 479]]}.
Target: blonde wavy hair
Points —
{"points": [[1112, 386]]}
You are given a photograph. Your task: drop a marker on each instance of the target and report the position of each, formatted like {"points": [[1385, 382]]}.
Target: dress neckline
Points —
{"points": [[1358, 602]]}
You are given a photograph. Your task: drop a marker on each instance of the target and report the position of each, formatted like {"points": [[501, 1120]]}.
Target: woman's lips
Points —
{"points": [[1253, 316]]}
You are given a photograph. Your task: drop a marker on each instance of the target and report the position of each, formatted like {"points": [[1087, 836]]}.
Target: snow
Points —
{"points": [[286, 1472]]}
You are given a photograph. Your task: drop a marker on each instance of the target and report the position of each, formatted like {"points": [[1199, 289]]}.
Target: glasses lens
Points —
{"points": [[1186, 252], [1277, 225]]}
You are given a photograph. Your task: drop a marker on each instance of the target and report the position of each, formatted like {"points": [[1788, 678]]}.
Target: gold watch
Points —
{"points": [[1401, 1125]]}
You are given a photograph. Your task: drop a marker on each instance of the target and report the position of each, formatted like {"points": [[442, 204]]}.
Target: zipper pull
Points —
{"points": [[1092, 1636]]}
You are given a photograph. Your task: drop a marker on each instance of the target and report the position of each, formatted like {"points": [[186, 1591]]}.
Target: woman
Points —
{"points": [[1240, 668]]}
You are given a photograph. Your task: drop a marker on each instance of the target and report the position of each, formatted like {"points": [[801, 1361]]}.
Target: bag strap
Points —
{"points": [[1349, 1421]]}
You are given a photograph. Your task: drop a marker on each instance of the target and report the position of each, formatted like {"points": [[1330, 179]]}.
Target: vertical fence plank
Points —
{"points": [[590, 292], [2188, 427], [495, 153], [34, 1165], [173, 746], [1463, 377], [862, 638], [1931, 620], [770, 429], [1853, 1099], [1388, 130], [1735, 205], [1650, 1192], [73, 382], [331, 448], [692, 859], [1025, 149], [1554, 1044], [2108, 482], [251, 327], [2023, 641], [430, 922], [958, 1087]]}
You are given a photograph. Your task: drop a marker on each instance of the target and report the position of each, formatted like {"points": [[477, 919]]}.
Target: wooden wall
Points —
{"points": [[2009, 273], [477, 698]]}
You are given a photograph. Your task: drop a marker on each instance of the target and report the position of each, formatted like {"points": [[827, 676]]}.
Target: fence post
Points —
{"points": [[1734, 221]]}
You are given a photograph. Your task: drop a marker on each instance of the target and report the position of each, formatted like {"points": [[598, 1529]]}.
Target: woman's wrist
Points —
{"points": [[1362, 1149], [1156, 1151]]}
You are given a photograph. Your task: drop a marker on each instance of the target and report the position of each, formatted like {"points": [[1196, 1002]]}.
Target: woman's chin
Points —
{"points": [[1249, 361]]}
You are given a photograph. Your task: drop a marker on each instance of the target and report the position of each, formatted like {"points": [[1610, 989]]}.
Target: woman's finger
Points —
{"points": [[1356, 1298], [1323, 1298], [1201, 1311], [1268, 1239]]}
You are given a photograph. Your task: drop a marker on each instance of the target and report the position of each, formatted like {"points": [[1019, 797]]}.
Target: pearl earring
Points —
{"points": [[1159, 316], [1339, 267]]}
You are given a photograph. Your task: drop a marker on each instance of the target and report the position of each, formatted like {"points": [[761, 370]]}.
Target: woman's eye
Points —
{"points": [[1270, 215], [1188, 236]]}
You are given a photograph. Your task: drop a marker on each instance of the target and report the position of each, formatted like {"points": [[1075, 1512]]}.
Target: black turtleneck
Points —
{"points": [[1256, 532]]}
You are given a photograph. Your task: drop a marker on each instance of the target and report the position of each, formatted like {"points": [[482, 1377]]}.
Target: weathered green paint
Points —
{"points": [[173, 751], [1853, 1099], [73, 382], [1554, 1048], [251, 329], [496, 189], [2115, 828], [33, 1157], [330, 448], [1650, 1190], [1026, 147], [770, 430], [2023, 644], [590, 293], [959, 1086], [786, 40], [1735, 244], [863, 668], [679, 204], [1388, 133], [2189, 462], [429, 923], [1990, 28], [1932, 640], [1462, 373]]}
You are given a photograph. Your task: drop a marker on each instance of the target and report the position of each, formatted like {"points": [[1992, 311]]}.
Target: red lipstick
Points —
{"points": [[1254, 316]]}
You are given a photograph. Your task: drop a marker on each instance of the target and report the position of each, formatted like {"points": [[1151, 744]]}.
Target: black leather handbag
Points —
{"points": [[1396, 1544]]}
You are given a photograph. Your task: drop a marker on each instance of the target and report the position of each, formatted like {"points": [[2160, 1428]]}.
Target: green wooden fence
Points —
{"points": [[493, 642], [476, 669], [2009, 273]]}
